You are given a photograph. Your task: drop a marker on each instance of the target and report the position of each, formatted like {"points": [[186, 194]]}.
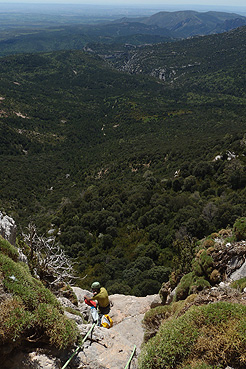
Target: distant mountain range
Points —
{"points": [[158, 28], [189, 23]]}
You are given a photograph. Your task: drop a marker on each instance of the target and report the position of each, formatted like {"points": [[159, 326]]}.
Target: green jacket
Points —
{"points": [[102, 297]]}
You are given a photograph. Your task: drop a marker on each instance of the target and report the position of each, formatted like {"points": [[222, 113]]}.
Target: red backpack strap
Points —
{"points": [[90, 303]]}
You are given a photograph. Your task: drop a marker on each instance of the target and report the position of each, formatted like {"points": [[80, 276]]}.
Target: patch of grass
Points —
{"points": [[61, 331], [30, 307], [14, 318], [7, 249], [154, 317], [205, 336], [18, 281], [189, 284]]}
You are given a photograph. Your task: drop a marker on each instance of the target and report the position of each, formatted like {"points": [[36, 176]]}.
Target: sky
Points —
{"points": [[230, 3], [230, 6]]}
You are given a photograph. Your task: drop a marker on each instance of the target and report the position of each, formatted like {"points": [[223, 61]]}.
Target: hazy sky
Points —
{"points": [[136, 2]]}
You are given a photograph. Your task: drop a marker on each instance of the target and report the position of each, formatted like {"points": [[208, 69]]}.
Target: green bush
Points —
{"points": [[205, 336], [239, 284], [198, 284], [183, 287], [203, 264], [8, 249], [61, 331], [190, 284], [239, 229], [215, 277]]}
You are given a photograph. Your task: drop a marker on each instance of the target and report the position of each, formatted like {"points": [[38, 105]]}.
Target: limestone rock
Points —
{"points": [[129, 306], [32, 360], [7, 228], [240, 273], [111, 348]]}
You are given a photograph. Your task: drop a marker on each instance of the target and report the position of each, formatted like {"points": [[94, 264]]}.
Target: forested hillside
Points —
{"points": [[190, 23], [56, 28], [126, 169]]}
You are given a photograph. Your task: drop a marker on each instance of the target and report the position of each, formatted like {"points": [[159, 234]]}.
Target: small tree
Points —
{"points": [[239, 229]]}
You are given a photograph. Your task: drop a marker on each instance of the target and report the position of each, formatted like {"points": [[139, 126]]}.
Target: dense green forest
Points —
{"points": [[127, 169]]}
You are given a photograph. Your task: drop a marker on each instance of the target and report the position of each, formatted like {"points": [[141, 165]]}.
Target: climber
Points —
{"points": [[100, 294]]}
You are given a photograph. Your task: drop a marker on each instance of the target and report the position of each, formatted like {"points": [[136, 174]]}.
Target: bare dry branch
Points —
{"points": [[51, 259]]}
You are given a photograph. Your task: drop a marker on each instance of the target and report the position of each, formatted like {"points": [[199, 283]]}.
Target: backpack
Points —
{"points": [[94, 314], [106, 321]]}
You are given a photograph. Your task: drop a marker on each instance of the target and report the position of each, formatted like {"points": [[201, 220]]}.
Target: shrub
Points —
{"points": [[225, 232], [183, 287], [215, 277], [14, 319], [190, 284], [61, 331], [215, 235], [239, 284], [30, 307], [205, 336], [239, 229], [208, 243], [203, 264], [198, 284]]}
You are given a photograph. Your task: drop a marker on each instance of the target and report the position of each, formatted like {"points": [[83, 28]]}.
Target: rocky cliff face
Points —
{"points": [[111, 348]]}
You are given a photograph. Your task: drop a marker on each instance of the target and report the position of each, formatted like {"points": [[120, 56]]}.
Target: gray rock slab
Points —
{"points": [[240, 273]]}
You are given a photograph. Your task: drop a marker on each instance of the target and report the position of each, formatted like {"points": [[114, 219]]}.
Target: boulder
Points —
{"points": [[240, 273], [7, 228]]}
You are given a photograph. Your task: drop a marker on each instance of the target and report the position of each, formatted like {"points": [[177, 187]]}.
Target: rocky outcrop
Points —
{"points": [[111, 348], [229, 263], [7, 228], [104, 348]]}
